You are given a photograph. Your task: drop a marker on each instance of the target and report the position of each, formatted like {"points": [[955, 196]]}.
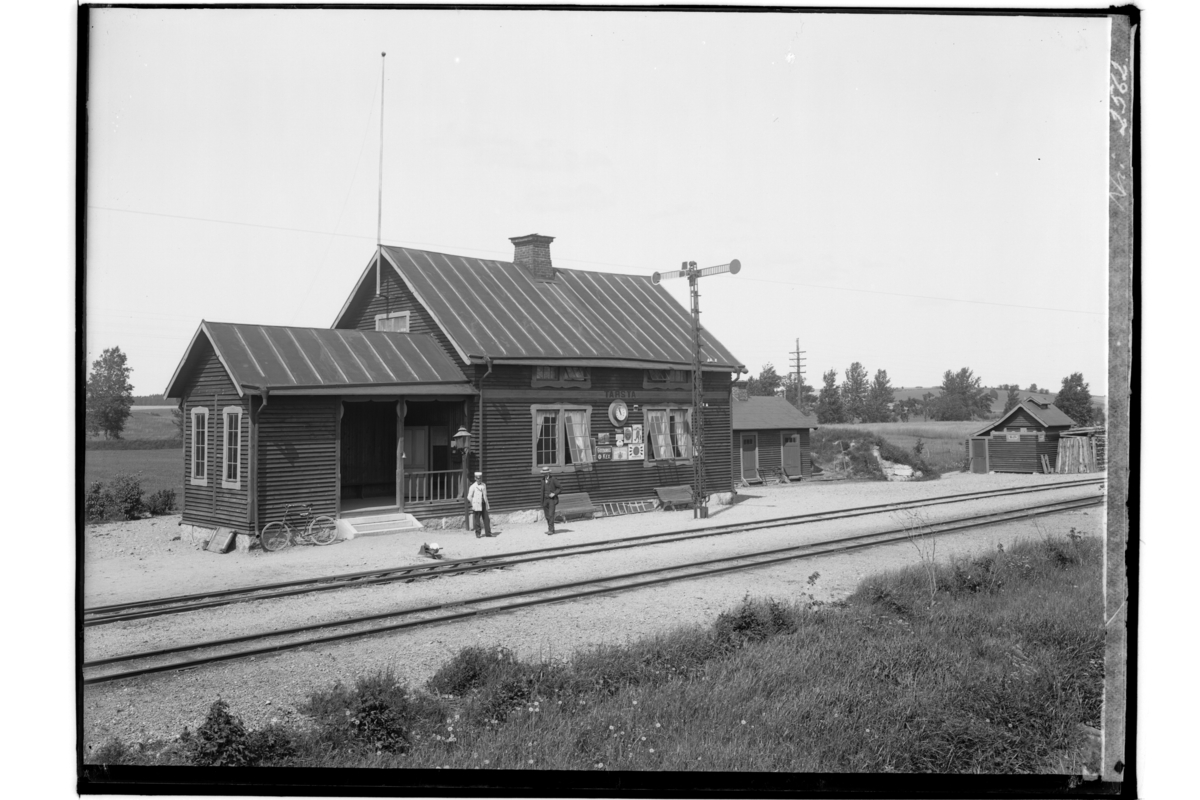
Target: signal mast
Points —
{"points": [[690, 271]]}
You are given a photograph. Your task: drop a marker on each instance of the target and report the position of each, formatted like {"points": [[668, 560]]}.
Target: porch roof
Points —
{"points": [[324, 361]]}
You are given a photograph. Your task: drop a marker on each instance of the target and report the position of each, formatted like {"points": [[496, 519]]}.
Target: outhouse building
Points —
{"points": [[770, 436], [526, 364], [1018, 441]]}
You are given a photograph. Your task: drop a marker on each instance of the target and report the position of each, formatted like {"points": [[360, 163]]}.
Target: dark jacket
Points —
{"points": [[550, 487]]}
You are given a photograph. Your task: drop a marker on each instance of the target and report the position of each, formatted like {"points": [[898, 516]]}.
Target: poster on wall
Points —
{"points": [[620, 453], [637, 452], [628, 434], [637, 434], [620, 437], [602, 439], [604, 453]]}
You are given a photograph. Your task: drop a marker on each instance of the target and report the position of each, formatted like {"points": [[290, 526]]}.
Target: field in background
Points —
{"points": [[945, 442], [160, 469], [997, 405], [148, 423]]}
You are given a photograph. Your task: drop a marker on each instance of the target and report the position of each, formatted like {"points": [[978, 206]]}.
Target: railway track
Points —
{"points": [[122, 612], [217, 650]]}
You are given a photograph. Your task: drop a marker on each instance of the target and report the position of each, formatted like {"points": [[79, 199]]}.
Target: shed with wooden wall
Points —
{"points": [[1018, 441], [770, 436]]}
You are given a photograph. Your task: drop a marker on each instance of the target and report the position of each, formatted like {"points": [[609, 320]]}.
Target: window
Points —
{"points": [[667, 379], [199, 447], [562, 437], [562, 377], [397, 322], [231, 448], [669, 433]]}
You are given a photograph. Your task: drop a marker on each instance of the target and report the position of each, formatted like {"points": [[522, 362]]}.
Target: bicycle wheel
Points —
{"points": [[274, 537], [322, 530]]}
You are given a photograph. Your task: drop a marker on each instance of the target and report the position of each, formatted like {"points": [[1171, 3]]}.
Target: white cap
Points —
{"points": [[434, 546], [478, 474]]}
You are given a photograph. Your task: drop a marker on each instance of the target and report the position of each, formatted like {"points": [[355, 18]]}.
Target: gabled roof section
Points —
{"points": [[1049, 415], [768, 413], [320, 360], [496, 309]]}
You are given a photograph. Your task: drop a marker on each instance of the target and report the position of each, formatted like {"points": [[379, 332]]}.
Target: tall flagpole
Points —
{"points": [[379, 221]]}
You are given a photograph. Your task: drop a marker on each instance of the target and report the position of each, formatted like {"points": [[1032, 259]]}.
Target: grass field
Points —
{"points": [[990, 664], [160, 469], [945, 448], [148, 423]]}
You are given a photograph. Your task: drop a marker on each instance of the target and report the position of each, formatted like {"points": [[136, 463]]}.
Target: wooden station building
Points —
{"points": [[587, 373], [1017, 441], [770, 436]]}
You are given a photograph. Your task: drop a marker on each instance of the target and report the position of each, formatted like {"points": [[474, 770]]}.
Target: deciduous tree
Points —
{"points": [[108, 395], [799, 394], [766, 384], [962, 397], [1075, 400], [1014, 397], [830, 410], [854, 392]]}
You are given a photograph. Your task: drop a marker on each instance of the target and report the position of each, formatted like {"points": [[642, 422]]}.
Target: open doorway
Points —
{"points": [[368, 454]]}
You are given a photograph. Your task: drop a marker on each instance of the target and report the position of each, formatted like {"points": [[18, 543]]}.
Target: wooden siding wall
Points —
{"points": [[211, 505], [508, 433], [770, 451], [297, 455], [1022, 456], [394, 296], [1022, 419]]}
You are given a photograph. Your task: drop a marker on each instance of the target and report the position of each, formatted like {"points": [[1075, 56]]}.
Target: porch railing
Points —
{"points": [[433, 487]]}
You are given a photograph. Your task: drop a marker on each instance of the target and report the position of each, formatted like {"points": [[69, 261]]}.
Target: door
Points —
{"points": [[979, 456], [416, 460], [749, 456], [792, 466]]}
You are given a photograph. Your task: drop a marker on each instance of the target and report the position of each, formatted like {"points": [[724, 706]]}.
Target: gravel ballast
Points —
{"points": [[136, 560]]}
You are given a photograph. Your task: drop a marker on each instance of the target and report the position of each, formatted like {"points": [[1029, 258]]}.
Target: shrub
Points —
{"points": [[126, 491], [377, 714], [221, 741], [161, 502], [753, 621], [97, 501], [469, 669], [273, 745]]}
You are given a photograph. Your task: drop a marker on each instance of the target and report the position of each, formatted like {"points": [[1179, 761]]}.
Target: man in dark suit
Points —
{"points": [[550, 492]]}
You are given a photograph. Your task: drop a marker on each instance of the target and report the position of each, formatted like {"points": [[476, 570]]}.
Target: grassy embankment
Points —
{"points": [[159, 468], [992, 664], [943, 442]]}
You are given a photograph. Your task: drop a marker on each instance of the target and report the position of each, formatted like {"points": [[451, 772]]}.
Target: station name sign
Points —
{"points": [[619, 393]]}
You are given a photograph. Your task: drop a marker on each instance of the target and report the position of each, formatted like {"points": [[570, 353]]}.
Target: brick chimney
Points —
{"points": [[741, 391], [533, 253]]}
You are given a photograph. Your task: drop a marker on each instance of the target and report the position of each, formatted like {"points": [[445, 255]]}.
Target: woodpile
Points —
{"points": [[1079, 454]]}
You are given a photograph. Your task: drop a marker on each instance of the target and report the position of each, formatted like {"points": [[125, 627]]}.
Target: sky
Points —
{"points": [[915, 193]]}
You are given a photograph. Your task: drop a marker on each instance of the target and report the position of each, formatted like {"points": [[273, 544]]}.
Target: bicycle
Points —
{"points": [[320, 530]]}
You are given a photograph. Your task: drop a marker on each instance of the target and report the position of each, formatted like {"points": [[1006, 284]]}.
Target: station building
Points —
{"points": [[1019, 439], [438, 365]]}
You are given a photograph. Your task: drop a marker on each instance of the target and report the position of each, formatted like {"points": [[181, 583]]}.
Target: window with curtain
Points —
{"points": [[562, 437], [668, 434]]}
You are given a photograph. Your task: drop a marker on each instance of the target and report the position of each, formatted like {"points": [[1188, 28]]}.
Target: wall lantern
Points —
{"points": [[461, 441]]}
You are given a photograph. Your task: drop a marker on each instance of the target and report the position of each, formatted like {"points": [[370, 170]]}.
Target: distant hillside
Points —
{"points": [[151, 400], [918, 392]]}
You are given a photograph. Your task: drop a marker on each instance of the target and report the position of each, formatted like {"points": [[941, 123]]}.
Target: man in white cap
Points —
{"points": [[477, 497]]}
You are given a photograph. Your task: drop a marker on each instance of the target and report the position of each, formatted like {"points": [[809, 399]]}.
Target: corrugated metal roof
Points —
{"points": [[497, 309], [768, 413], [282, 358]]}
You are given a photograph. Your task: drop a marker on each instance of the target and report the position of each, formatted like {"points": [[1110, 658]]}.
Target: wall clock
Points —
{"points": [[618, 412]]}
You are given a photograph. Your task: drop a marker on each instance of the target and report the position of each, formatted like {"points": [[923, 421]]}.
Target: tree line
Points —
{"points": [[858, 398]]}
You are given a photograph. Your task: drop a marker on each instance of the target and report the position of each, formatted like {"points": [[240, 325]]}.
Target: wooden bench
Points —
{"points": [[672, 497], [575, 504], [773, 476]]}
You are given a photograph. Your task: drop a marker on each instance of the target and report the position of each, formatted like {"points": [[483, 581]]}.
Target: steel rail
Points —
{"points": [[103, 615], [825, 547]]}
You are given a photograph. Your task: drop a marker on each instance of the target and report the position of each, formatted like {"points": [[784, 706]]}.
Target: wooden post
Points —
{"points": [[400, 454], [466, 465], [252, 488], [337, 458]]}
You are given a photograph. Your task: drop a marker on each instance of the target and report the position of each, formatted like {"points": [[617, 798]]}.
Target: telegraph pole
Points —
{"points": [[689, 270], [798, 360]]}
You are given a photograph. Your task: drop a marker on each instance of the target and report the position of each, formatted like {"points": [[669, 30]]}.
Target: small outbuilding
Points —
{"points": [[770, 436], [1023, 440]]}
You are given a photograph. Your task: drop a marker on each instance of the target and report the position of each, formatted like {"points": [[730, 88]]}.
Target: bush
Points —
{"points": [[753, 621], [161, 502], [127, 495], [221, 741], [133, 444], [377, 714], [97, 501], [469, 669]]}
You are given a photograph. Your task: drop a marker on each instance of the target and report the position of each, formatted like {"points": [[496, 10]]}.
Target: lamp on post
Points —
{"points": [[460, 444]]}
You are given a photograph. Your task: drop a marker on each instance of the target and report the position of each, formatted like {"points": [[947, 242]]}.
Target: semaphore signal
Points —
{"points": [[693, 274]]}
